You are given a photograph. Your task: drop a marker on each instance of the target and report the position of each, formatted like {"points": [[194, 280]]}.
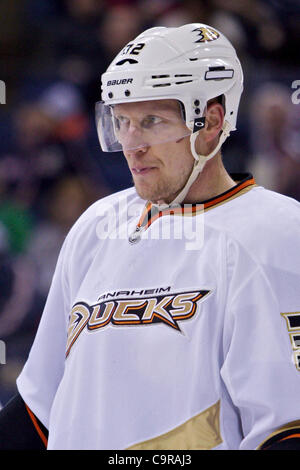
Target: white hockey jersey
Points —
{"points": [[186, 336]]}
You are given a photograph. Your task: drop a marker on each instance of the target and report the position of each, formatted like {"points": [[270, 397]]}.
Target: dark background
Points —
{"points": [[52, 54]]}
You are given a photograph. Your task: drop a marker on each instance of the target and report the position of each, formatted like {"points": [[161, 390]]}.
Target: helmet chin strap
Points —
{"points": [[200, 161]]}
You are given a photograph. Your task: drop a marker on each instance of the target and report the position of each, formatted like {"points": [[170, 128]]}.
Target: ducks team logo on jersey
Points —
{"points": [[128, 310], [293, 326]]}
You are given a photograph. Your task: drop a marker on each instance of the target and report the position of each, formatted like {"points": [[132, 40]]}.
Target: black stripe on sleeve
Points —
{"points": [[17, 430]]}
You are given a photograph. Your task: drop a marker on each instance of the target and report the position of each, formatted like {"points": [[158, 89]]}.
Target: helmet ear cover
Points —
{"points": [[219, 99]]}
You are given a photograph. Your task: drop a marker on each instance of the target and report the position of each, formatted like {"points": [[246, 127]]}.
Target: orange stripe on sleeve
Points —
{"points": [[291, 436], [36, 425]]}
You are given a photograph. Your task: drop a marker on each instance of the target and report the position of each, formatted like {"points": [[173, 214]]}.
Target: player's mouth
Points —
{"points": [[142, 170]]}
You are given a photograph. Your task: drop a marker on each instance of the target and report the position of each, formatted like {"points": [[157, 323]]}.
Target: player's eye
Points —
{"points": [[121, 122], [151, 121]]}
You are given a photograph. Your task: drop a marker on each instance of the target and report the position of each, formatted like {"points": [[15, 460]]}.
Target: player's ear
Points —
{"points": [[213, 121], [208, 136]]}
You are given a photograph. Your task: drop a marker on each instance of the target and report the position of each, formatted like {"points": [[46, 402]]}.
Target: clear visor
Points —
{"points": [[130, 126]]}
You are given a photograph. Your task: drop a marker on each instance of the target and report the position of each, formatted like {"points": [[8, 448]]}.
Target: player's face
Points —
{"points": [[159, 170]]}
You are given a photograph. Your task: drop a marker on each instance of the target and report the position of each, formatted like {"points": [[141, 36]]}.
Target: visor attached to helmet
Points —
{"points": [[121, 129]]}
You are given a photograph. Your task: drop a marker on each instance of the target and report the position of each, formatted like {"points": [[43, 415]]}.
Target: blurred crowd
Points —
{"points": [[51, 166]]}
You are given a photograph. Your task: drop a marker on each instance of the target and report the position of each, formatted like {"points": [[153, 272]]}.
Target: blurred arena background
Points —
{"points": [[51, 166]]}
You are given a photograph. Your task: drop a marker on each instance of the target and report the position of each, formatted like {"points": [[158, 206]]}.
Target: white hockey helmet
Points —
{"points": [[192, 64]]}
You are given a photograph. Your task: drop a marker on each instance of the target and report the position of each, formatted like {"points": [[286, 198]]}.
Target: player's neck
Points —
{"points": [[212, 181]]}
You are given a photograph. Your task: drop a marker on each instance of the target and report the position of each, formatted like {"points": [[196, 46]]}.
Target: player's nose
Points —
{"points": [[134, 141], [138, 151]]}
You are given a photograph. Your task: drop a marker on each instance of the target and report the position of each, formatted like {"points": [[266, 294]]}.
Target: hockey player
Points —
{"points": [[173, 318]]}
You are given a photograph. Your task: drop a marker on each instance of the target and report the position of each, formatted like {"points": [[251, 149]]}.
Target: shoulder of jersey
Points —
{"points": [[260, 213]]}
